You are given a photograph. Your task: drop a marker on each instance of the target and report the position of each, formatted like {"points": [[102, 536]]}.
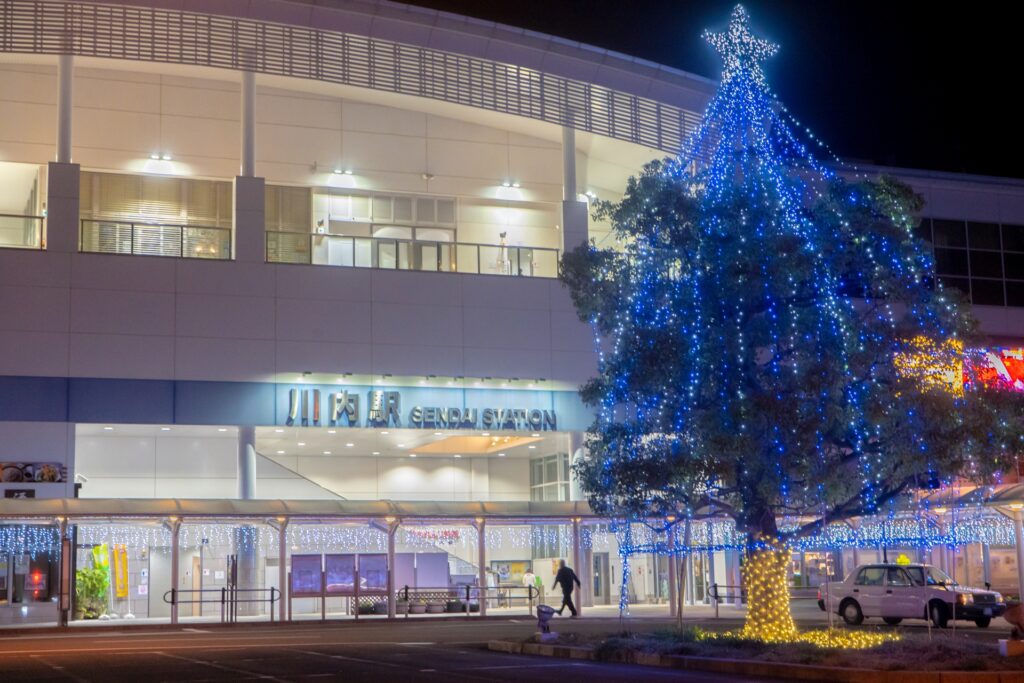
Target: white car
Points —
{"points": [[914, 591]]}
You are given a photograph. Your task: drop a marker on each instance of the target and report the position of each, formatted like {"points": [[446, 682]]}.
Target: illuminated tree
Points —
{"points": [[774, 347]]}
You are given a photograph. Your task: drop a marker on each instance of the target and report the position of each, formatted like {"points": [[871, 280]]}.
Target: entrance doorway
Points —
{"points": [[601, 576]]}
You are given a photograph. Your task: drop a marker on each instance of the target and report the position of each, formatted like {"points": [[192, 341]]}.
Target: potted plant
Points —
{"points": [[435, 607], [401, 606], [90, 592], [418, 607], [380, 607]]}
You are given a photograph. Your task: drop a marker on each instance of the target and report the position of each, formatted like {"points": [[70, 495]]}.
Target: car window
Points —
{"points": [[937, 577], [871, 576], [897, 577], [917, 574]]}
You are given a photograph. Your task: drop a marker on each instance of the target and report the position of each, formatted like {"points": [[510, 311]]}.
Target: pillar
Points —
{"points": [[481, 549], [1018, 539], [577, 559], [65, 584], [65, 79], [574, 212], [576, 453], [673, 570], [711, 575], [246, 471], [282, 566], [175, 525], [986, 564], [392, 532], [248, 152]]}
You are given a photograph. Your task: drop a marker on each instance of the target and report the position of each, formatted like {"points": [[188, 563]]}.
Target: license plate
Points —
{"points": [[988, 611]]}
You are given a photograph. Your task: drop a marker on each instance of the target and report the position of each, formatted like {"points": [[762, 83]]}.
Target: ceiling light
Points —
{"points": [[280, 452], [438, 434], [165, 429], [535, 435], [154, 156], [515, 184], [327, 452], [376, 453], [485, 434], [332, 431], [506, 183], [501, 455], [279, 431], [222, 429], [166, 157], [108, 429], [456, 456], [349, 445], [531, 447], [302, 443], [401, 445], [384, 433], [412, 455]]}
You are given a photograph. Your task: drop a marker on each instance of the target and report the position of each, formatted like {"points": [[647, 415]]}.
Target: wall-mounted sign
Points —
{"points": [[20, 493], [47, 472], [384, 409]]}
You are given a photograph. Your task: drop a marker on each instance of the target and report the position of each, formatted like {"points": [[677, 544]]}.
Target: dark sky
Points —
{"points": [[905, 83]]}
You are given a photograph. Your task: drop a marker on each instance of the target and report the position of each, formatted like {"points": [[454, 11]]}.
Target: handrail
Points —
{"points": [[173, 36], [408, 254], [226, 596], [152, 238], [35, 241]]}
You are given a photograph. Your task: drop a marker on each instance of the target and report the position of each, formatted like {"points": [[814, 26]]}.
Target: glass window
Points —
{"points": [[1014, 293], [897, 577], [986, 264], [987, 292], [923, 229], [1013, 266], [960, 283], [871, 576], [983, 236], [951, 262], [949, 233], [1013, 237]]}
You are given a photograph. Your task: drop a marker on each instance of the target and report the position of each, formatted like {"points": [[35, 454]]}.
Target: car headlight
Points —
{"points": [[965, 599], [998, 597]]}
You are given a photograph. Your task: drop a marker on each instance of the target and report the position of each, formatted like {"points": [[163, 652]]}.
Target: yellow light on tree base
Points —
{"points": [[765, 576]]}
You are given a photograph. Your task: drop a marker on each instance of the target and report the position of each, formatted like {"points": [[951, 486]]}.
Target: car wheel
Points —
{"points": [[938, 614], [983, 622], [851, 613], [821, 605], [892, 621]]}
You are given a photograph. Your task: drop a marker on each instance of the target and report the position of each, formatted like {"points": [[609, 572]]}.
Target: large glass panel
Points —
{"points": [[1013, 237], [1013, 265], [948, 233], [363, 252], [983, 236], [20, 232], [467, 258], [987, 292], [951, 261], [293, 247], [1014, 293], [986, 264], [960, 283]]}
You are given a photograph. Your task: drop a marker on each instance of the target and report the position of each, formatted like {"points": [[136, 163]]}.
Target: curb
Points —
{"points": [[749, 667]]}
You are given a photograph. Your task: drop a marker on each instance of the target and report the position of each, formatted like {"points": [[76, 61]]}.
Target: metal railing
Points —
{"points": [[398, 254], [21, 232], [228, 597], [176, 37], [463, 599], [100, 236]]}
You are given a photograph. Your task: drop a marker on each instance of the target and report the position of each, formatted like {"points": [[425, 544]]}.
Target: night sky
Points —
{"points": [[898, 83]]}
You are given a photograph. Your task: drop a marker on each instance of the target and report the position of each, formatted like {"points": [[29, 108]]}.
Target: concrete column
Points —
{"points": [[282, 566], [248, 165], [250, 220], [481, 549], [62, 199], [711, 579], [574, 213], [392, 532], [673, 570], [588, 590], [576, 452], [1018, 539], [986, 564], [569, 188], [65, 79], [246, 471], [577, 562], [175, 526]]}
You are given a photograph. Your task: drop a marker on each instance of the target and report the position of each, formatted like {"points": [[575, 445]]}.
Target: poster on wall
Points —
{"points": [[340, 572], [306, 576], [44, 472], [120, 556], [373, 573], [20, 493], [510, 571]]}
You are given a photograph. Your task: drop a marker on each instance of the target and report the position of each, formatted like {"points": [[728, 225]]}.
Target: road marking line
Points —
{"points": [[222, 667], [61, 670]]}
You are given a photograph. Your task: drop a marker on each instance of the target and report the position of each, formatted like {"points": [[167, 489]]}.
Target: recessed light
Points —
{"points": [[327, 452], [279, 431], [166, 157], [349, 445], [412, 455], [165, 429], [385, 433], [535, 435], [401, 445], [485, 434], [332, 431], [501, 455], [376, 453], [438, 434], [280, 452], [108, 429], [222, 429], [456, 456], [302, 443], [532, 447], [154, 156]]}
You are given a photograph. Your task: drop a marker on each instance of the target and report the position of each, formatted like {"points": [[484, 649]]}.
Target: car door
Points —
{"points": [[869, 589], [901, 598]]}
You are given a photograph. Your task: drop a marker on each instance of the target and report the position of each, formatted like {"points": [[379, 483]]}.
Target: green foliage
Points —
{"points": [[91, 586]]}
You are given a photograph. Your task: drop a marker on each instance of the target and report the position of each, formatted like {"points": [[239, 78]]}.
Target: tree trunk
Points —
{"points": [[765, 574]]}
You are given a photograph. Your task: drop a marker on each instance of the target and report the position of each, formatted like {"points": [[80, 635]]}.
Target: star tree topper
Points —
{"points": [[740, 49]]}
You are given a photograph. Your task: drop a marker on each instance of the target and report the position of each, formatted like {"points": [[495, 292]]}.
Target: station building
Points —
{"points": [[279, 310]]}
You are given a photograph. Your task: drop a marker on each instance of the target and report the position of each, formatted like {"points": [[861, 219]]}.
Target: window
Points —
{"points": [[898, 577], [871, 576], [983, 260], [549, 477]]}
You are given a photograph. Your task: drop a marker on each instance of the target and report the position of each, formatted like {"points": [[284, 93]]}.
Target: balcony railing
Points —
{"points": [[397, 254], [155, 239], [21, 232]]}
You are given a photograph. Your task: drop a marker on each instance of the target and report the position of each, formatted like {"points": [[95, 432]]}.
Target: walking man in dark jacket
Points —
{"points": [[565, 578]]}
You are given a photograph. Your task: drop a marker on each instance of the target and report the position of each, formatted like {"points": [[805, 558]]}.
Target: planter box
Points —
{"points": [[380, 608], [436, 608], [417, 609]]}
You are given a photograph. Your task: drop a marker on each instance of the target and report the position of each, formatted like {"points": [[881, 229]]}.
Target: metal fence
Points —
{"points": [[396, 254], [21, 232], [227, 597], [171, 36], [154, 239]]}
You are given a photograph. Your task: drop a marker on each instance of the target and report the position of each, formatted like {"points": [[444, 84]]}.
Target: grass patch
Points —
{"points": [[912, 652]]}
